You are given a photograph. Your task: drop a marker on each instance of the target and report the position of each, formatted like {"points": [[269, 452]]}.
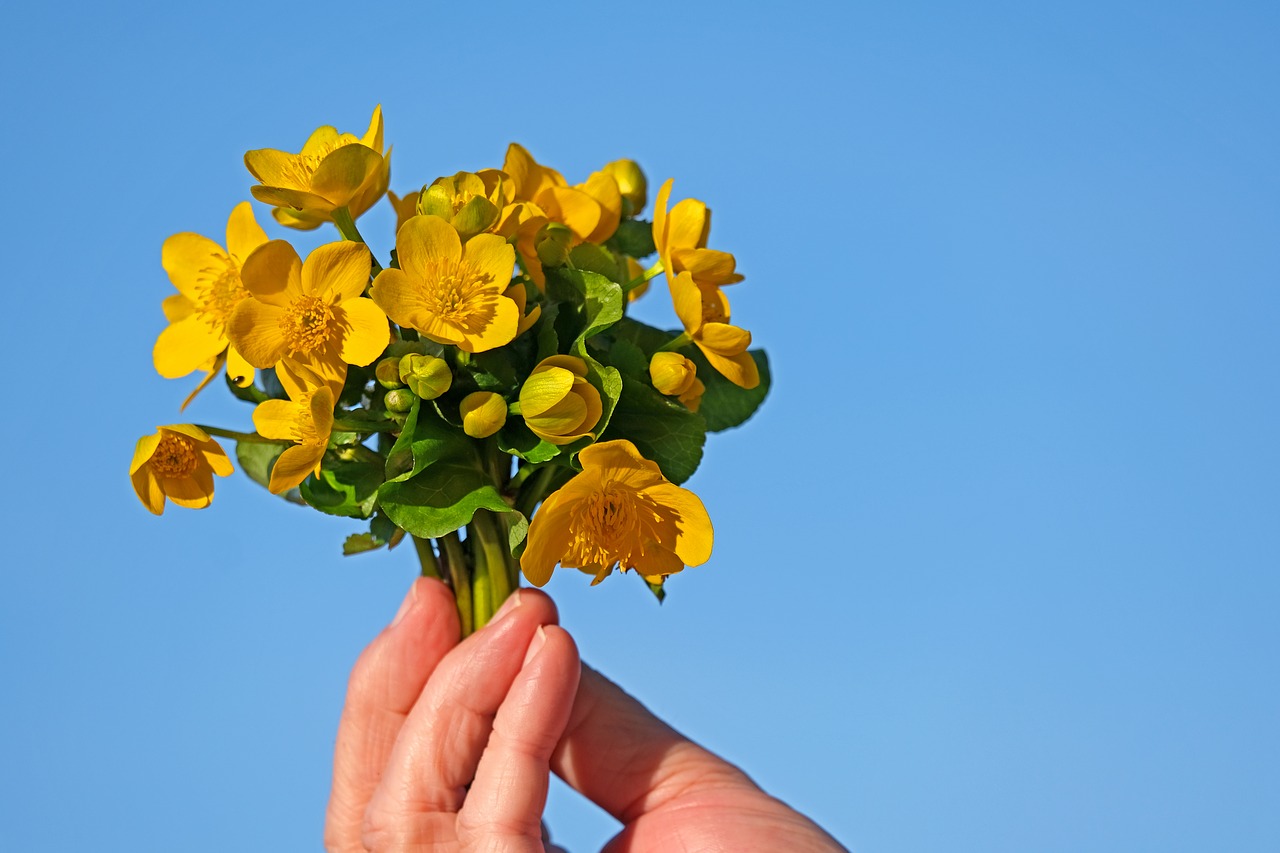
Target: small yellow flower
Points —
{"points": [[672, 373], [631, 183], [521, 224], [333, 170], [470, 202], [483, 413], [177, 463], [451, 293], [557, 402], [308, 316], [620, 511], [591, 209], [307, 419], [705, 315], [680, 236], [209, 289]]}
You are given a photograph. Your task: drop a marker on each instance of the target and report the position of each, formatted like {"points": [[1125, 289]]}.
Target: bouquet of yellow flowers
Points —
{"points": [[484, 392]]}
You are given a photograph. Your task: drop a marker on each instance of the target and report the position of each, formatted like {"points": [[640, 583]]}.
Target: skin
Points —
{"points": [[449, 746]]}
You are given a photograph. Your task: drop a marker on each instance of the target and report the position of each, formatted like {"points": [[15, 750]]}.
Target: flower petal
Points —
{"points": [[254, 330], [687, 300], [244, 234], [338, 270], [492, 258], [423, 242], [548, 539], [148, 489], [194, 492], [365, 333], [293, 466], [398, 296], [278, 419], [543, 389], [373, 136], [143, 451], [184, 256], [498, 331], [694, 541], [725, 339], [185, 346], [239, 371], [344, 172], [273, 167], [273, 273], [740, 369], [689, 222], [603, 187], [177, 307]]}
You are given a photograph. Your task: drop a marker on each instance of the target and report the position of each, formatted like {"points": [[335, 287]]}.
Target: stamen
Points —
{"points": [[175, 456], [307, 324]]}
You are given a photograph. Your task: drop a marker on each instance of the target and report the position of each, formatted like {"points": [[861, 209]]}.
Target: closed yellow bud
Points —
{"points": [[388, 373], [631, 183], [552, 244], [672, 373], [427, 376], [558, 403], [483, 413]]}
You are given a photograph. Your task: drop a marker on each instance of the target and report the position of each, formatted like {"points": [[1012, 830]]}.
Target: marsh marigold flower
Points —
{"points": [[207, 277], [470, 202], [177, 463], [558, 403], [680, 236], [620, 511], [483, 413], [308, 316], [306, 419], [450, 292], [332, 170], [591, 209], [705, 315]]}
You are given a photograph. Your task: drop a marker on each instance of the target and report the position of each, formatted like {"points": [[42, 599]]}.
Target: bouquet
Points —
{"points": [[483, 392]]}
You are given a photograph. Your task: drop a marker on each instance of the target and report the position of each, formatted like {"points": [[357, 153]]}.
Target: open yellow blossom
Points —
{"points": [[705, 315], [308, 316], [680, 236], [333, 170], [177, 463], [558, 403], [207, 277], [591, 209], [450, 292], [620, 511], [306, 419]]}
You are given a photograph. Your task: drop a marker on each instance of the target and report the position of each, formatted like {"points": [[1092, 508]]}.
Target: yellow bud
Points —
{"points": [[692, 398], [427, 376], [388, 373], [463, 200], [672, 373], [552, 244], [631, 183], [558, 403], [483, 413]]}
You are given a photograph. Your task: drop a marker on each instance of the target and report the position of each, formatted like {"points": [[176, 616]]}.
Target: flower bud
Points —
{"points": [[427, 376], [388, 373], [399, 400], [557, 402], [672, 373], [483, 413], [463, 200], [631, 184], [552, 244]]}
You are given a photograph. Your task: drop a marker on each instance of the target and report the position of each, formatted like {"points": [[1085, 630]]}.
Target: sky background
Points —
{"points": [[995, 565]]}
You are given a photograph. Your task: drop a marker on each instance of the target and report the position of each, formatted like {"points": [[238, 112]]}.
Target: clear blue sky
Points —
{"points": [[996, 566]]}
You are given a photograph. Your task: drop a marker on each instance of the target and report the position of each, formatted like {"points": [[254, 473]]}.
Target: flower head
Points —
{"points": [[308, 316], [620, 511], [558, 403], [306, 419], [468, 201], [591, 209], [680, 236], [705, 315], [333, 170], [177, 463], [483, 413], [450, 292], [207, 277]]}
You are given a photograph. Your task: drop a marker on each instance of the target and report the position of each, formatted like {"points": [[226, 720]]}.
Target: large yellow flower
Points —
{"points": [[308, 316], [680, 236], [620, 511], [333, 170], [306, 419], [705, 315], [207, 277], [177, 463], [450, 292]]}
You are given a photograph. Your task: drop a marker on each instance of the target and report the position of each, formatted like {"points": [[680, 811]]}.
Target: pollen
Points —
{"points": [[218, 292], [458, 294], [307, 324], [175, 457]]}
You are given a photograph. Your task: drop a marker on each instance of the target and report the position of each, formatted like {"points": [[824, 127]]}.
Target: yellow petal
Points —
{"points": [[273, 273], [687, 300], [272, 167], [399, 297], [660, 217], [707, 266], [194, 492], [320, 411], [278, 419], [301, 374], [543, 389], [499, 331], [689, 222], [373, 136], [493, 258], [185, 346], [423, 242], [693, 544], [724, 339], [244, 234], [337, 270], [603, 187], [239, 370], [561, 419], [143, 451], [216, 458], [548, 539], [254, 330], [365, 333], [148, 489], [574, 208], [189, 430], [740, 369], [298, 200], [177, 307], [293, 466], [344, 172], [184, 256]]}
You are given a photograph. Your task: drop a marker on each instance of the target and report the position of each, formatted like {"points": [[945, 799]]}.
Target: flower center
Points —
{"points": [[456, 293], [218, 292], [713, 307], [606, 532], [300, 168], [175, 456], [306, 324]]}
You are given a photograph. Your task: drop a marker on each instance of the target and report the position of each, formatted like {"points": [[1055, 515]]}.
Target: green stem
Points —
{"points": [[676, 343], [248, 437], [533, 492], [340, 425], [459, 578], [347, 228], [497, 567], [651, 273], [427, 558]]}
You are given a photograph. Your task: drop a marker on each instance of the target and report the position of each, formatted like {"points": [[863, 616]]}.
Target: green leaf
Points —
{"points": [[662, 430], [634, 237], [658, 589], [518, 440], [724, 404], [592, 258], [598, 302], [359, 543], [628, 358], [344, 487], [644, 336], [256, 459]]}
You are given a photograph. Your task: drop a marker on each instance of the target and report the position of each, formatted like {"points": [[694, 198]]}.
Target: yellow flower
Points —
{"points": [[308, 316], [333, 170], [620, 511], [470, 202], [680, 236], [209, 289], [705, 315], [521, 224], [177, 463], [518, 294], [483, 413], [451, 293], [557, 402], [591, 209], [672, 373], [307, 419], [631, 183], [406, 208]]}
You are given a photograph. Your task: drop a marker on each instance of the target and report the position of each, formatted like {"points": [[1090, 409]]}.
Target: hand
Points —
{"points": [[448, 746]]}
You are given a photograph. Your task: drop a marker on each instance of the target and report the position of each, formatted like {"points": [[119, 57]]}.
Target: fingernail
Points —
{"points": [[512, 602], [406, 604], [535, 645]]}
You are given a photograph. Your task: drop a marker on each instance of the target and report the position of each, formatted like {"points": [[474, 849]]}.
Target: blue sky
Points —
{"points": [[996, 565]]}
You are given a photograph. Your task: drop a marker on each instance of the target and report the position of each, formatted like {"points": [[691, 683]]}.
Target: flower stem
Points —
{"points": [[495, 570], [427, 558], [347, 228], [676, 343], [459, 578], [248, 437], [651, 273]]}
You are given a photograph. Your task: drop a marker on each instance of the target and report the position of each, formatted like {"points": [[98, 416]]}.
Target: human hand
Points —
{"points": [[427, 715]]}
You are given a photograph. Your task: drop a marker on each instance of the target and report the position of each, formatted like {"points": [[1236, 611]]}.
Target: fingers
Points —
{"points": [[438, 749], [627, 761], [384, 685], [510, 788]]}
